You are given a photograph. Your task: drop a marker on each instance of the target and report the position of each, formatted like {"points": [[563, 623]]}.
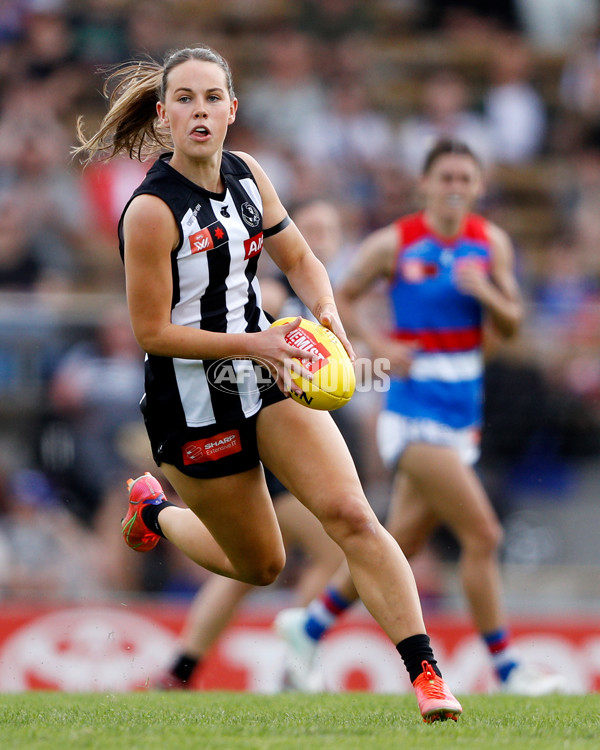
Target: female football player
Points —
{"points": [[449, 273], [190, 237], [218, 599]]}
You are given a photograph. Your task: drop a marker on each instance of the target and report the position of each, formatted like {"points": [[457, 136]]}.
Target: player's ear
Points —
{"points": [[232, 111], [481, 185], [162, 114], [421, 187]]}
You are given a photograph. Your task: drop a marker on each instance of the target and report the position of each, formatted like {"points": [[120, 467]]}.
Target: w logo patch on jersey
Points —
{"points": [[208, 238]]}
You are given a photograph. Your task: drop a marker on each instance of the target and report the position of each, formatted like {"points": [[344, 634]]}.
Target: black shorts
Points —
{"points": [[216, 450]]}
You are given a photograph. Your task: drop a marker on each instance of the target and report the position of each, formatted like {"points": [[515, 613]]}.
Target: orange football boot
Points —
{"points": [[436, 702], [142, 491]]}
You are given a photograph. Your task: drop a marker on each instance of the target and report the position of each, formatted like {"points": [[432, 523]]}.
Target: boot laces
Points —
{"points": [[431, 683]]}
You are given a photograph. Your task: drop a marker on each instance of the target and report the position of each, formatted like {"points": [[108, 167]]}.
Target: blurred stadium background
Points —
{"points": [[338, 100]]}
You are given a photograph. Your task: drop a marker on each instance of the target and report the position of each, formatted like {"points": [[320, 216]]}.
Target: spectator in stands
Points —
{"points": [[47, 55], [580, 80], [348, 137], [27, 260], [513, 107], [579, 195], [564, 287], [278, 102], [277, 161], [105, 187], [471, 21], [95, 391], [332, 20], [556, 24], [445, 112], [150, 27], [41, 543], [34, 163], [99, 32]]}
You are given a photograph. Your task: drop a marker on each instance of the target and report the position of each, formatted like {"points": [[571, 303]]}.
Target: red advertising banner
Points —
{"points": [[125, 646]]}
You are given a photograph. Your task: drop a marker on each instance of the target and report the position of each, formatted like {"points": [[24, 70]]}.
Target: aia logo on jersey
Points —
{"points": [[253, 246], [250, 215], [208, 238], [212, 448]]}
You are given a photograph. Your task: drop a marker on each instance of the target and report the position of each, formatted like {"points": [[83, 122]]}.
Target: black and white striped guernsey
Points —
{"points": [[214, 289]]}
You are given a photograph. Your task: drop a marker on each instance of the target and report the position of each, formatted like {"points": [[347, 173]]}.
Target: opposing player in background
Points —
{"points": [[450, 274], [190, 237]]}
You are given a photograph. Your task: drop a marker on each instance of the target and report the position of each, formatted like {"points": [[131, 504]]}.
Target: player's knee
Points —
{"points": [[266, 572], [492, 537], [496, 537], [264, 577], [349, 518], [487, 541]]}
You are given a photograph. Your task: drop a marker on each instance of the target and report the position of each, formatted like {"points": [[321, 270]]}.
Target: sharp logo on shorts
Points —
{"points": [[208, 238], [253, 245], [212, 448], [307, 343]]}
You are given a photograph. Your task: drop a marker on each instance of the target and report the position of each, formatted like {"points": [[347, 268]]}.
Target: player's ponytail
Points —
{"points": [[130, 125]]}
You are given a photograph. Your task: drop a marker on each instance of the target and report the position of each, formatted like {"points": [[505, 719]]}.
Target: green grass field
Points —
{"points": [[353, 721]]}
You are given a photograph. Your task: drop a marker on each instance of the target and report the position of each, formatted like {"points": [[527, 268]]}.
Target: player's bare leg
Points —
{"points": [[219, 598], [229, 526], [436, 487], [327, 483]]}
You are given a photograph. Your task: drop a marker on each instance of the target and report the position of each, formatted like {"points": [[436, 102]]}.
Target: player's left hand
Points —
{"points": [[329, 317], [470, 277]]}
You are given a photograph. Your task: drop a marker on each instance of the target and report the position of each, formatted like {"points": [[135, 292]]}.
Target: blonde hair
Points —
{"points": [[131, 124]]}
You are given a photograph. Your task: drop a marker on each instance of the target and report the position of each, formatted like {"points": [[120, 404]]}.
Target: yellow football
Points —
{"points": [[333, 380]]}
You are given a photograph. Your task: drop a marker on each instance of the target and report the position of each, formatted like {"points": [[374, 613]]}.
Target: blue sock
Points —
{"points": [[324, 611], [503, 656]]}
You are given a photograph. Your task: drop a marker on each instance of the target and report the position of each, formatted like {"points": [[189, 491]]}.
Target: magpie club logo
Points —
{"points": [[250, 215]]}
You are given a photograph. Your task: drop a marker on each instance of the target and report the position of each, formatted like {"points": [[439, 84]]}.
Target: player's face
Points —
{"points": [[197, 108], [451, 186]]}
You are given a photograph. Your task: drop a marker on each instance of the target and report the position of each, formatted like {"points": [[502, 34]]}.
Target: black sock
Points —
{"points": [[414, 650], [150, 516], [184, 667]]}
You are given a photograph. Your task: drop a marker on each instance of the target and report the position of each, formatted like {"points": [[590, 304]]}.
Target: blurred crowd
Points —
{"points": [[339, 100]]}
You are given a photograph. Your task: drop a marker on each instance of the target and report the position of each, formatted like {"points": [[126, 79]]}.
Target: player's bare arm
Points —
{"points": [[150, 236], [498, 292], [375, 260], [292, 254], [287, 247]]}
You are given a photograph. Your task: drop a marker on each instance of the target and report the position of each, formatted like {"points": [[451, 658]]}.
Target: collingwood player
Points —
{"points": [[190, 238]]}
